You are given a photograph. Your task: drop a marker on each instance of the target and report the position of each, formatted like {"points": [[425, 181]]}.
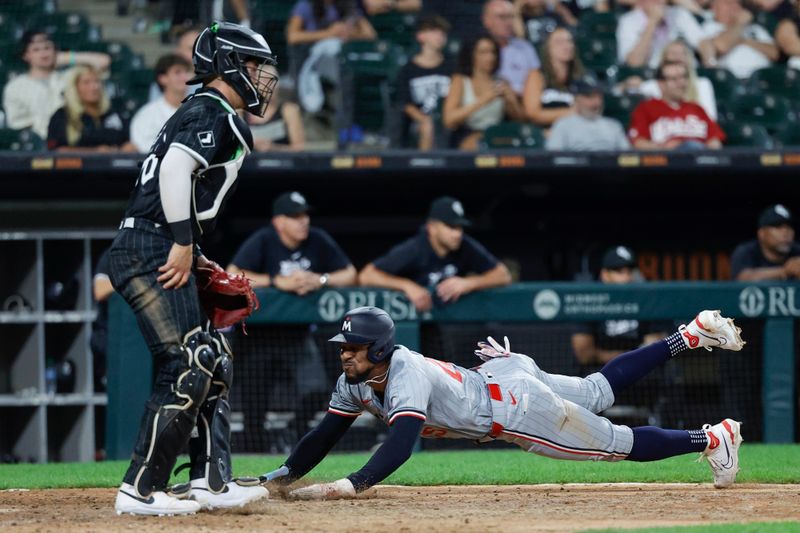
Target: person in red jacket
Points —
{"points": [[671, 122]]}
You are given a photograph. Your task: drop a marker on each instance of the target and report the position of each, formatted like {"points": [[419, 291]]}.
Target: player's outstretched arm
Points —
{"points": [[389, 457]]}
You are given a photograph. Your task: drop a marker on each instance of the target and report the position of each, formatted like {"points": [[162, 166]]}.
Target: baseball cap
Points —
{"points": [[585, 85], [775, 215], [618, 257], [448, 210], [290, 203]]}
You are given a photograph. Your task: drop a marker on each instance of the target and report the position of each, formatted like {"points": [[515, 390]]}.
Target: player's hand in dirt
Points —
{"points": [[176, 271], [337, 490]]}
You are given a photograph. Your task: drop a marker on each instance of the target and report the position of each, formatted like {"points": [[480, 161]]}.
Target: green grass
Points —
{"points": [[760, 464], [752, 527]]}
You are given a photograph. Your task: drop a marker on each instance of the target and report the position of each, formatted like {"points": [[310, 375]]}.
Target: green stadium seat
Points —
{"points": [[772, 112], [747, 134], [726, 86], [767, 20], [20, 141], [597, 52], [788, 135], [620, 107], [397, 28], [24, 9], [619, 73], [777, 80], [70, 31], [513, 135], [593, 23]]}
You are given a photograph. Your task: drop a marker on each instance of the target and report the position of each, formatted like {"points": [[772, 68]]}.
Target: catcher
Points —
{"points": [[508, 397], [157, 266]]}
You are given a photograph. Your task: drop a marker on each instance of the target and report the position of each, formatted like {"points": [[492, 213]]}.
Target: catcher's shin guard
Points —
{"points": [[169, 418], [210, 450]]}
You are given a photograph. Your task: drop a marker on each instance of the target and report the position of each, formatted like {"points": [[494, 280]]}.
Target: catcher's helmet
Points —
{"points": [[223, 49], [371, 326]]}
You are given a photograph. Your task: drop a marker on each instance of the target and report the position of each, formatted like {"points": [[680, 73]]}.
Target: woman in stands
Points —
{"points": [[700, 90], [478, 99], [87, 123], [280, 129], [787, 35], [546, 96]]}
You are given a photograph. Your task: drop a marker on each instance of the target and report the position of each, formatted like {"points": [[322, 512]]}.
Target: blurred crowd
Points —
{"points": [[562, 75]]}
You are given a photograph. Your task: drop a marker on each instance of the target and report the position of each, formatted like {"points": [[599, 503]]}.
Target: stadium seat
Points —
{"points": [[747, 134], [773, 112], [24, 9], [20, 141], [620, 107], [777, 80], [513, 135], [593, 23], [788, 135], [70, 31], [767, 20], [597, 52], [726, 86], [397, 28], [619, 73]]}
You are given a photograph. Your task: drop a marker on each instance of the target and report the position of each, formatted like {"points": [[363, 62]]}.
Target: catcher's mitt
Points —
{"points": [[226, 298]]}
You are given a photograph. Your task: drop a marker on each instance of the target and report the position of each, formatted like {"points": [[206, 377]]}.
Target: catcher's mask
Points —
{"points": [[370, 326], [224, 50]]}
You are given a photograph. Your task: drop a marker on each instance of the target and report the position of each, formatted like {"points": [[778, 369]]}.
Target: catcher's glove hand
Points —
{"points": [[226, 298], [337, 490]]}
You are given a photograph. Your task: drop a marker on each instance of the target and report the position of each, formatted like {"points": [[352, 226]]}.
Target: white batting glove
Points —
{"points": [[492, 349], [339, 489]]}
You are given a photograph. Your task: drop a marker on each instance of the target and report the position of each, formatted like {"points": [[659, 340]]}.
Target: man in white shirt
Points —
{"points": [[172, 71], [587, 129], [517, 56], [30, 99], [738, 45], [643, 32]]}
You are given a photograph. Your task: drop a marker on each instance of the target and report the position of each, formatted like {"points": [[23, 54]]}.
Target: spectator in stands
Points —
{"points": [[671, 122], [596, 343], [736, 43], [643, 32], [478, 99], [314, 20], [378, 7], [171, 73], [700, 90], [281, 127], [787, 35], [587, 128], [186, 13], [517, 56], [534, 20], [87, 123], [773, 255], [184, 47], [440, 263], [290, 254], [424, 81], [30, 99], [547, 97]]}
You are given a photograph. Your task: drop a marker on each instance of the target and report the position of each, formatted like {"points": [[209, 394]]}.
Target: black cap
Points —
{"points": [[448, 210], [290, 203], [775, 215], [585, 85], [618, 257]]}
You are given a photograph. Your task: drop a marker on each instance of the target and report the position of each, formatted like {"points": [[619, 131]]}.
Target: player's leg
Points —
{"points": [[170, 323], [597, 391], [211, 477]]}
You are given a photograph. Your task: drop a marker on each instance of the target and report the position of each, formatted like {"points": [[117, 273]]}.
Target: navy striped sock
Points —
{"points": [[652, 443], [630, 367]]}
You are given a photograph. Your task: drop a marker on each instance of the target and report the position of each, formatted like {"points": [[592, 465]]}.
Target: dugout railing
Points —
{"points": [[285, 369]]}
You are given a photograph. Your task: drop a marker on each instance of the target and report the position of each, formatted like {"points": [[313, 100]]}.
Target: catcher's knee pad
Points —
{"points": [[199, 363]]}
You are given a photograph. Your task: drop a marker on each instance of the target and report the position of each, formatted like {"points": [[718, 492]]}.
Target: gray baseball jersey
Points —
{"points": [[507, 398]]}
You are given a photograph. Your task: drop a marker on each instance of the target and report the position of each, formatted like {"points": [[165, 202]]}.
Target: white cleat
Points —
{"points": [[233, 495], [157, 504], [709, 330], [722, 452]]}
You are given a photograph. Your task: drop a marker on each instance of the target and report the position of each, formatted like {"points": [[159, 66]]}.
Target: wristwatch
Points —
{"points": [[323, 280]]}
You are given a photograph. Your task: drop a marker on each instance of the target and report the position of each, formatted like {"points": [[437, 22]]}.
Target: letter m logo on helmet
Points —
{"points": [[347, 325], [368, 326]]}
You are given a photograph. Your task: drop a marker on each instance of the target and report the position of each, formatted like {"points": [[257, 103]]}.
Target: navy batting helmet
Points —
{"points": [[370, 326], [222, 50]]}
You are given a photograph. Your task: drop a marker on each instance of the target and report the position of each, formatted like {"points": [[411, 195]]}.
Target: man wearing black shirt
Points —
{"points": [[425, 80], [290, 254], [440, 260], [773, 255]]}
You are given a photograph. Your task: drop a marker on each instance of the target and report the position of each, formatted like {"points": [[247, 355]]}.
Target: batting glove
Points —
{"points": [[492, 349], [339, 489]]}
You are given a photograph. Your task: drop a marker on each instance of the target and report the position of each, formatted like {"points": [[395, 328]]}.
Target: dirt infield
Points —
{"points": [[411, 509]]}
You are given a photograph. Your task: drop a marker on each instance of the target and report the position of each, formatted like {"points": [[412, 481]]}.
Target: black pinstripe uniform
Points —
{"points": [[207, 128]]}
